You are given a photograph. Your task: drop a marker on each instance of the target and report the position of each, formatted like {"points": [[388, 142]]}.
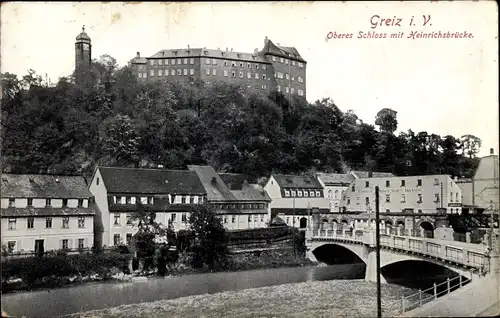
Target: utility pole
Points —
{"points": [[377, 241]]}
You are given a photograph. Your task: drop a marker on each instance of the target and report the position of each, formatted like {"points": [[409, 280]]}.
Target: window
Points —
{"points": [[281, 60], [233, 219], [256, 218], [48, 223], [152, 62], [274, 58], [48, 202], [367, 184], [225, 219], [387, 183], [184, 217], [129, 200], [287, 76], [311, 193], [81, 222], [292, 90], [451, 196], [144, 200], [185, 72], [150, 200], [128, 238], [348, 201], [140, 75], [129, 219], [287, 193], [262, 219], [64, 244], [214, 72], [419, 200], [151, 73], [179, 61], [160, 62], [12, 224], [233, 64], [279, 88], [12, 202], [31, 223], [299, 193], [116, 239], [249, 218], [367, 200], [65, 222], [256, 76], [185, 61], [300, 92], [353, 188], [80, 203], [30, 202], [456, 197], [191, 71], [419, 182], [403, 198], [11, 245], [293, 193], [179, 71], [301, 64], [144, 75], [225, 73], [249, 75], [173, 217], [256, 66], [233, 74], [191, 61], [81, 243], [214, 62], [402, 183], [241, 74], [172, 72], [160, 72], [183, 199], [263, 76], [436, 197], [293, 63], [241, 64], [387, 198], [117, 219], [388, 210], [419, 211], [287, 89]]}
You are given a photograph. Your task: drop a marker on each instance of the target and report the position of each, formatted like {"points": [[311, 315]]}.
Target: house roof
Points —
{"points": [[295, 181], [205, 53], [335, 178], [214, 186], [43, 186], [243, 191], [151, 181], [284, 51], [47, 211], [365, 174]]}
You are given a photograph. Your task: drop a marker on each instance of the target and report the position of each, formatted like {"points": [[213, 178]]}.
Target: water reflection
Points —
{"points": [[102, 295]]}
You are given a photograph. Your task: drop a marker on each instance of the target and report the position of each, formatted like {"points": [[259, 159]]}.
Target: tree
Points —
{"points": [[209, 238], [386, 120], [470, 145], [120, 139], [148, 233]]}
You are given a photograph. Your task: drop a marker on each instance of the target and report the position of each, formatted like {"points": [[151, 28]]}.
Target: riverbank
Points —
{"points": [[238, 262], [338, 298]]}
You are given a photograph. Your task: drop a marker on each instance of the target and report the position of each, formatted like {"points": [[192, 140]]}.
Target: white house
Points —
{"points": [[295, 197], [485, 183], [334, 185], [46, 212], [239, 204], [120, 191]]}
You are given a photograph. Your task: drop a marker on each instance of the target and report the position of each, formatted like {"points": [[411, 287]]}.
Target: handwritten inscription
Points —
{"points": [[378, 24]]}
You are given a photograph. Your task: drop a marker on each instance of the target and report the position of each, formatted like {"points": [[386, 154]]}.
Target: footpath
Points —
{"points": [[479, 298]]}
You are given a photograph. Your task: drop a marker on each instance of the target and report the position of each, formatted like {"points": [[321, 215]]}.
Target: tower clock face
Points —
{"points": [[85, 46]]}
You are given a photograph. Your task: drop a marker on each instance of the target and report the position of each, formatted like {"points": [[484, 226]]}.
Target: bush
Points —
{"points": [[34, 270]]}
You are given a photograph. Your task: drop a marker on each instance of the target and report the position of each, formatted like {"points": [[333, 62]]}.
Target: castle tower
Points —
{"points": [[83, 53]]}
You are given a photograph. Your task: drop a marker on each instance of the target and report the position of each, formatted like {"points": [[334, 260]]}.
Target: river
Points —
{"points": [[94, 296]]}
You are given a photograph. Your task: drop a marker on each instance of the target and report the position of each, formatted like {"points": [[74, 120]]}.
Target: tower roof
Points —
{"points": [[83, 36]]}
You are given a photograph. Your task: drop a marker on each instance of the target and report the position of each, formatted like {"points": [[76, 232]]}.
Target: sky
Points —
{"points": [[443, 86]]}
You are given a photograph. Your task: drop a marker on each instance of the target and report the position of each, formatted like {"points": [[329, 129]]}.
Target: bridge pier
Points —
{"points": [[371, 267]]}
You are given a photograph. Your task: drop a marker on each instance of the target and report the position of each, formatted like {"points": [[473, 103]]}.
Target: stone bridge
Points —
{"points": [[465, 259]]}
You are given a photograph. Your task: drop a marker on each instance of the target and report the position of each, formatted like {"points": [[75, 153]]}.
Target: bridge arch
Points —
{"points": [[426, 224], [334, 253]]}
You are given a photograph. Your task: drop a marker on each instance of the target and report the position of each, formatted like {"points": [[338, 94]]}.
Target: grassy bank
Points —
{"points": [[341, 298]]}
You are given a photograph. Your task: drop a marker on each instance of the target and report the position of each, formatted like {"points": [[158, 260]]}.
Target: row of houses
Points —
{"points": [[48, 212]]}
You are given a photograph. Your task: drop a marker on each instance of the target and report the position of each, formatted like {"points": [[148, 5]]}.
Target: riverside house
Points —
{"points": [[46, 212], [239, 204], [119, 192]]}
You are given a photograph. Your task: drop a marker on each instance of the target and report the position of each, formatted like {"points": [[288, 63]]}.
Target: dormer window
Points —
{"points": [[287, 193], [299, 193]]}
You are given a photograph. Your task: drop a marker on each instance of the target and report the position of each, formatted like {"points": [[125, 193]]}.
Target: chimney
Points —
{"points": [[492, 151], [266, 40], [138, 54]]}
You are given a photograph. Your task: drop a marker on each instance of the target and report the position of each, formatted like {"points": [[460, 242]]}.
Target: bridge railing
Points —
{"points": [[407, 303], [474, 256]]}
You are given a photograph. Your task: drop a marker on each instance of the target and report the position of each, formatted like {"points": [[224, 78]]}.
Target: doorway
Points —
{"points": [[39, 248]]}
